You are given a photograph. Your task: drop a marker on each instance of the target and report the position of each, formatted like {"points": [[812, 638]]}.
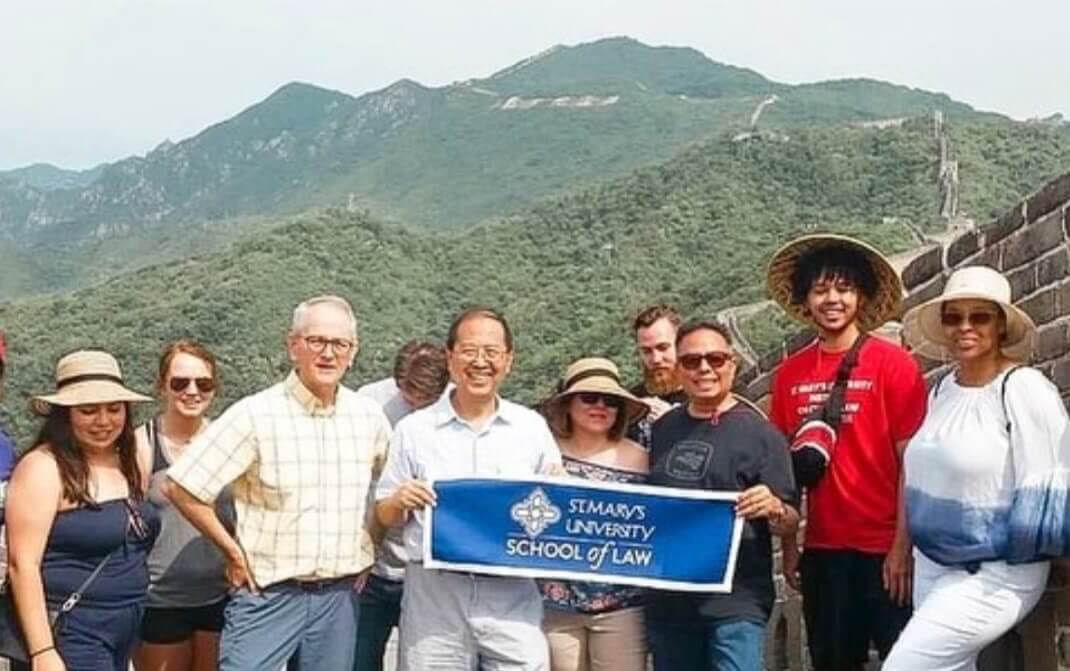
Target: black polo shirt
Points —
{"points": [[732, 452]]}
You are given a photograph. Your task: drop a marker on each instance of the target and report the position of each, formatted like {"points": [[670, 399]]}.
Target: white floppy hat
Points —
{"points": [[86, 377], [925, 333]]}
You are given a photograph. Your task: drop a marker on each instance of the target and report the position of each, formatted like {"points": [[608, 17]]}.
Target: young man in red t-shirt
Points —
{"points": [[855, 573]]}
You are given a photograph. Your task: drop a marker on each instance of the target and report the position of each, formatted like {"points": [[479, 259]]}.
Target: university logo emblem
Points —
{"points": [[535, 513]]}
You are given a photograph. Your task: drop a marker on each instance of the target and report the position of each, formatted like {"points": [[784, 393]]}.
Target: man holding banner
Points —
{"points": [[717, 443], [449, 619]]}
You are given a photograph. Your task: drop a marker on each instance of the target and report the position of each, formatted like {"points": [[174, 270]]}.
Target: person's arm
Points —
{"points": [[380, 451], [220, 455], [203, 517], [549, 459], [898, 569], [1039, 521], [400, 490], [35, 494], [904, 390], [774, 496]]}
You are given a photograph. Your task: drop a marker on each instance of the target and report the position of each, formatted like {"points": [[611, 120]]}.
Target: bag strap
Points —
{"points": [[1003, 396], [152, 432], [833, 411], [76, 595]]}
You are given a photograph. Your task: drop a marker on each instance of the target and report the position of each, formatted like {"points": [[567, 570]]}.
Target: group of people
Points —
{"points": [[288, 532]]}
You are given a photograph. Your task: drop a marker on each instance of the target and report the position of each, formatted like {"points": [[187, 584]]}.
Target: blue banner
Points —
{"points": [[678, 539]]}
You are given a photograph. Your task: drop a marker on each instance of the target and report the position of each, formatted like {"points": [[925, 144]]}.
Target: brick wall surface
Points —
{"points": [[1030, 245]]}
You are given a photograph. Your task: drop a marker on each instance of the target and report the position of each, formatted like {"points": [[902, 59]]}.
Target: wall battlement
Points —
{"points": [[1030, 245]]}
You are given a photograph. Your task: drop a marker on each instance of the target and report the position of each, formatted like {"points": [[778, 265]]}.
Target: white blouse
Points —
{"points": [[988, 472]]}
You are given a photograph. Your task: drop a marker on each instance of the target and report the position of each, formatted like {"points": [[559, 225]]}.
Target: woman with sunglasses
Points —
{"points": [[594, 625], [78, 526], [986, 477], [188, 589]]}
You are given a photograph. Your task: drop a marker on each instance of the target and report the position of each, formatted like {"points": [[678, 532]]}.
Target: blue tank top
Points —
{"points": [[82, 537]]}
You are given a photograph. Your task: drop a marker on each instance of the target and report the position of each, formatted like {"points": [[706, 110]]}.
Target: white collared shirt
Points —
{"points": [[435, 444]]}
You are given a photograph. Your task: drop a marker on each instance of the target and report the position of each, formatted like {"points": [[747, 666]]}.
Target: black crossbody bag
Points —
{"points": [[12, 642], [814, 442]]}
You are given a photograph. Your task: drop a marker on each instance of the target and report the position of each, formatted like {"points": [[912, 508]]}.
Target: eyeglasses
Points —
{"points": [[593, 398], [491, 354], [136, 524], [205, 385], [980, 318], [714, 359], [318, 344]]}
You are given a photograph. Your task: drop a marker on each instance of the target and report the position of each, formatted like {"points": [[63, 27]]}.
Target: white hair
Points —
{"points": [[301, 312]]}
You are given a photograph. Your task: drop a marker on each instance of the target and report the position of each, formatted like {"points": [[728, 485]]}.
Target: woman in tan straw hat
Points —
{"points": [[987, 476], [594, 625], [79, 527]]}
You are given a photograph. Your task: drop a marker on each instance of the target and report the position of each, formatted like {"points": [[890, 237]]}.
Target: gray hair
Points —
{"points": [[301, 312]]}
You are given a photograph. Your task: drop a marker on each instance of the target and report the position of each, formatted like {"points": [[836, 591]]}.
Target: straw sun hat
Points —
{"points": [[875, 310], [599, 376], [86, 377], [924, 332]]}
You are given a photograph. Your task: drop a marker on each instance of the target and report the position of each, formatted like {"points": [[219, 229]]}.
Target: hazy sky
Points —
{"points": [[86, 81]]}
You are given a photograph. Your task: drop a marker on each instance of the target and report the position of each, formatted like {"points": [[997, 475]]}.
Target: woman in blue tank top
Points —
{"points": [[76, 510]]}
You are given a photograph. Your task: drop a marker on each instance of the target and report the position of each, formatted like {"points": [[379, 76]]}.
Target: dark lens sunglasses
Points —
{"points": [[180, 384], [714, 359], [982, 318], [608, 400]]}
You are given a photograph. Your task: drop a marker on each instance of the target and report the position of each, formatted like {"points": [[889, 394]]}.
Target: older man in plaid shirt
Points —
{"points": [[301, 456]]}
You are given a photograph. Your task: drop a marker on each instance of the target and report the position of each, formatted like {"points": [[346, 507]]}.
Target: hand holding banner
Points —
{"points": [[678, 539]]}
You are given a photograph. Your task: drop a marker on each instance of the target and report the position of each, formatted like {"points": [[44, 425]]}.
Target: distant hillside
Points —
{"points": [[437, 158], [47, 177], [569, 272]]}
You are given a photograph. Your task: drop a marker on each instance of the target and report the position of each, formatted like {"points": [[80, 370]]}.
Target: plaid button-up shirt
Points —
{"points": [[301, 474]]}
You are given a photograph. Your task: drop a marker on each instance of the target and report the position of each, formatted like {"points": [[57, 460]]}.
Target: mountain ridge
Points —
{"points": [[694, 230], [432, 157]]}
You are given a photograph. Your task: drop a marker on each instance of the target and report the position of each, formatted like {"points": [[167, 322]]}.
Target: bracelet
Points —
{"points": [[42, 651]]}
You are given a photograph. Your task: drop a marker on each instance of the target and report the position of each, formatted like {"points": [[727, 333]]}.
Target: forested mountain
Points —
{"points": [[434, 158], [569, 271]]}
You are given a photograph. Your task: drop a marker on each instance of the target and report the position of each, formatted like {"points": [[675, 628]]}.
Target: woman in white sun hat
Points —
{"points": [[987, 476], [78, 522]]}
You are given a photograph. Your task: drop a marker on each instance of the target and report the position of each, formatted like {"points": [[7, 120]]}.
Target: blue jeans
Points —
{"points": [[724, 645], [380, 609], [304, 628]]}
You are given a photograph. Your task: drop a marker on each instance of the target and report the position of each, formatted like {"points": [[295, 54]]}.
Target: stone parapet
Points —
{"points": [[1030, 244]]}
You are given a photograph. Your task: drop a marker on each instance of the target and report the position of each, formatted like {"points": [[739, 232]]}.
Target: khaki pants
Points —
{"points": [[464, 622], [614, 641]]}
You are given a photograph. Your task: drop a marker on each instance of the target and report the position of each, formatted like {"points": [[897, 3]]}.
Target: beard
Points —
{"points": [[660, 381]]}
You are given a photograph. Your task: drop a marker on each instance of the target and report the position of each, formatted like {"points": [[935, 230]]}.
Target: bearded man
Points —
{"points": [[655, 341]]}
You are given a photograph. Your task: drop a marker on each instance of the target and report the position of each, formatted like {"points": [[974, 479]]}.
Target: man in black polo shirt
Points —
{"points": [[715, 442]]}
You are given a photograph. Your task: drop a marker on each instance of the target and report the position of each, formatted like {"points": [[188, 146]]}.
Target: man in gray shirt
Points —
{"points": [[420, 376]]}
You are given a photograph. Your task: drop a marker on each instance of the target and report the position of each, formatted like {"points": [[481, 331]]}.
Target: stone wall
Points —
{"points": [[1030, 244]]}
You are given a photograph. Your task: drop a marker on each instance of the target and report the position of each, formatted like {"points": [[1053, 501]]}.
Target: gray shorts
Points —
{"points": [[464, 622]]}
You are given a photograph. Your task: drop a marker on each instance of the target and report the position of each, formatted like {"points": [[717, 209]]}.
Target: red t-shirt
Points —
{"points": [[854, 506]]}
